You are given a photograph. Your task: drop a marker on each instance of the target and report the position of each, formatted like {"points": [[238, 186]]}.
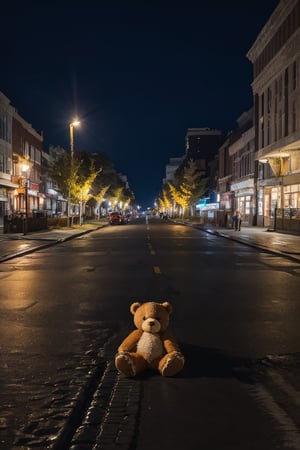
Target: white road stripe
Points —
{"points": [[291, 434], [285, 387]]}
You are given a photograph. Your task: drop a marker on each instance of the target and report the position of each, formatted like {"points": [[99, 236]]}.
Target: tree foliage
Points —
{"points": [[190, 184], [164, 200], [180, 195], [193, 181], [64, 172], [88, 175], [82, 189]]}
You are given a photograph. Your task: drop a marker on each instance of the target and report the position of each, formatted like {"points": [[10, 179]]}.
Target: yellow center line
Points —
{"points": [[156, 269], [152, 252]]}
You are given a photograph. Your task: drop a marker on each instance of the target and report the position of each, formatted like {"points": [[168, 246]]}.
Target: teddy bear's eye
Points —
{"points": [[144, 318], [157, 318]]}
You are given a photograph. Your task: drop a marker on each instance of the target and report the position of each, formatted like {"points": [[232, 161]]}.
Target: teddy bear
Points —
{"points": [[151, 345]]}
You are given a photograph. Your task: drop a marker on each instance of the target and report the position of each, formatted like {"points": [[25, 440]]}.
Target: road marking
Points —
{"points": [[288, 389], [157, 269], [152, 252], [286, 423]]}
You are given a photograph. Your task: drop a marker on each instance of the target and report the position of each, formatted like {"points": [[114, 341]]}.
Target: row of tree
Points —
{"points": [[88, 179], [189, 186]]}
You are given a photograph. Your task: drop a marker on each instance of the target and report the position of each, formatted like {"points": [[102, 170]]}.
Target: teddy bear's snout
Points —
{"points": [[151, 325]]}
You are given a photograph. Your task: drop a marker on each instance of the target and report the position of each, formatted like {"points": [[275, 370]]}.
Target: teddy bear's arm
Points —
{"points": [[169, 342], [130, 342]]}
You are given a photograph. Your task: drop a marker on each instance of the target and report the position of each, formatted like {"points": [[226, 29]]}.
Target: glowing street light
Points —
{"points": [[73, 124]]}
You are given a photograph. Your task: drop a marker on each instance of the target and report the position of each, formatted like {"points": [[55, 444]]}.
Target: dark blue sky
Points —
{"points": [[137, 73]]}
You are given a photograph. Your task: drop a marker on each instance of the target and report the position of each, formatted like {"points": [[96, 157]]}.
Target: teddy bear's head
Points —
{"points": [[151, 316]]}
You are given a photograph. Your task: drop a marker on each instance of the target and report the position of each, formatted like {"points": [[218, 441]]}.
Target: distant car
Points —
{"points": [[116, 218]]}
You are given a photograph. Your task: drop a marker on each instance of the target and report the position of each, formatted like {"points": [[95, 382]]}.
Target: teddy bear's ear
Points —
{"points": [[134, 307], [167, 306]]}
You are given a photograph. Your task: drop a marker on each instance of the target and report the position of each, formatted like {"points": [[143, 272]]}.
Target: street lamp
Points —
{"points": [[73, 124], [25, 170]]}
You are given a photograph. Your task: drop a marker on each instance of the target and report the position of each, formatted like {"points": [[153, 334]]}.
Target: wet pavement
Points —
{"points": [[283, 244], [113, 402], [17, 244], [288, 245]]}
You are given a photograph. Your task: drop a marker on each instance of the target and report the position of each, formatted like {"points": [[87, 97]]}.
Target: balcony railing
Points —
{"points": [[287, 219]]}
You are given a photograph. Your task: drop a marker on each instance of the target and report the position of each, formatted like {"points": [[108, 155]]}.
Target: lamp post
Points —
{"points": [[73, 124], [25, 170], [80, 208]]}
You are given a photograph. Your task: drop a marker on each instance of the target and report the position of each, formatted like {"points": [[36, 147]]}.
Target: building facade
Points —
{"points": [[6, 166], [275, 56], [171, 168], [225, 171], [54, 205], [203, 144], [27, 159], [236, 170], [242, 152]]}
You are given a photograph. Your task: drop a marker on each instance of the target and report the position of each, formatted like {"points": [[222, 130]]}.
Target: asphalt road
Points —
{"points": [[64, 310]]}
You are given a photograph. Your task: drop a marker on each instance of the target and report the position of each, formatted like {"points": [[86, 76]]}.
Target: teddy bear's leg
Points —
{"points": [[124, 363], [130, 364], [171, 364]]}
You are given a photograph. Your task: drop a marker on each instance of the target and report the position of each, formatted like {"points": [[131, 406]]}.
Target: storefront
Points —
{"points": [[6, 188], [3, 201], [274, 198], [227, 206], [245, 199], [27, 198]]}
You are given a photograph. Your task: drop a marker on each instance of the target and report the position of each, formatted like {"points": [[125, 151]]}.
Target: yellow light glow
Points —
{"points": [[25, 167]]}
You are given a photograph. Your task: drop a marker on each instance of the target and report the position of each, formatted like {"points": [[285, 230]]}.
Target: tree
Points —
{"points": [[191, 185], [116, 198], [74, 178], [180, 196], [87, 176], [193, 182], [100, 197], [164, 200], [82, 191], [64, 173]]}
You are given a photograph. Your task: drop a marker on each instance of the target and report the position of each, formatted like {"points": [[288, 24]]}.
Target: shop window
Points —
{"points": [[286, 102], [26, 149], [295, 161], [294, 116], [294, 75]]}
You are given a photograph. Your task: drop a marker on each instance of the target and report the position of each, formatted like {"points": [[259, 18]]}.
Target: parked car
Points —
{"points": [[116, 218]]}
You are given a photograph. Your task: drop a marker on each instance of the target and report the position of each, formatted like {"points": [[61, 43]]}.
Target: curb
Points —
{"points": [[49, 244], [252, 245], [110, 421], [241, 241]]}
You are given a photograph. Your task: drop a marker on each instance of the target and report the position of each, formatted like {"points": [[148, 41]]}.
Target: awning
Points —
{"points": [[8, 184]]}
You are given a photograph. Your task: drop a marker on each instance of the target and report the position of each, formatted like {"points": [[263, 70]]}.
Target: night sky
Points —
{"points": [[137, 74]]}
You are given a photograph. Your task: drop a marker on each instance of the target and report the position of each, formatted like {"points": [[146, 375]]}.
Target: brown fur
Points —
{"points": [[151, 345]]}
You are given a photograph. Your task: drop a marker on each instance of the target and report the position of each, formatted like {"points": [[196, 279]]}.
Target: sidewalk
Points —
{"points": [[13, 245], [282, 244]]}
